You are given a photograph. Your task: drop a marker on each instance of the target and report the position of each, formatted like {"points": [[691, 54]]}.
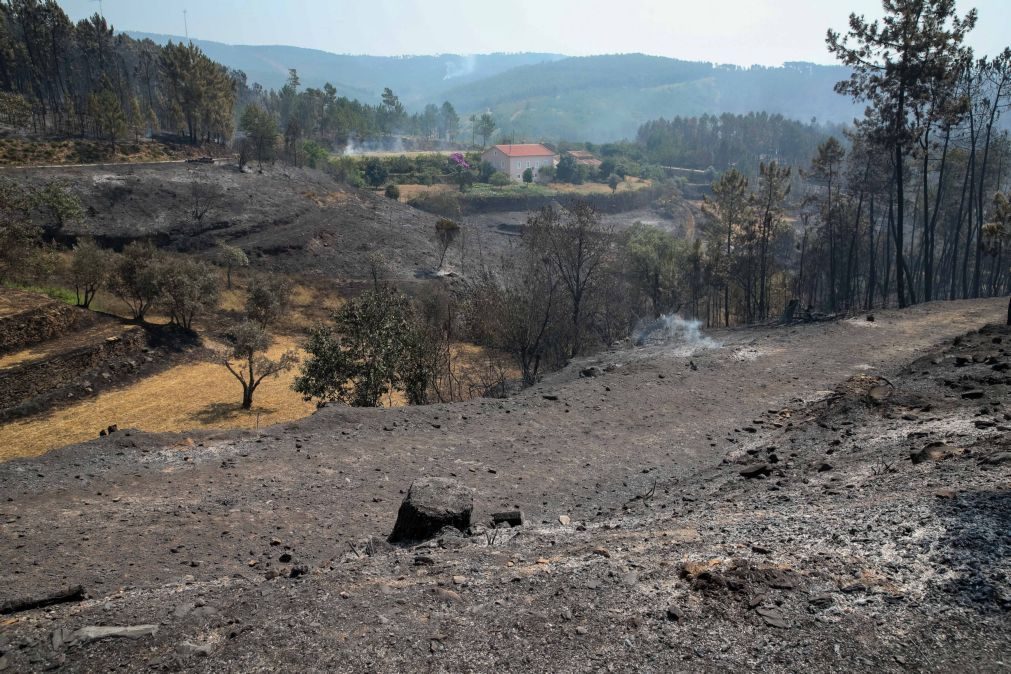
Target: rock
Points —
{"points": [[298, 570], [602, 552], [96, 632], [459, 580], [935, 451], [188, 649], [183, 610], [582, 630], [675, 614], [821, 600], [824, 467], [592, 371], [449, 596], [973, 395], [513, 518], [564, 520], [879, 393], [772, 617], [566, 614], [113, 428], [755, 470], [998, 459], [430, 505]]}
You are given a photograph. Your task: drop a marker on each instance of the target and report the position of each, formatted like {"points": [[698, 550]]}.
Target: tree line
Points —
{"points": [[83, 79]]}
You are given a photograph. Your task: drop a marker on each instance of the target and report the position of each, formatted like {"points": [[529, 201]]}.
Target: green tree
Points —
{"points": [[230, 257], [449, 121], [375, 171], [107, 115], [21, 209], [613, 181], [655, 258], [363, 355], [200, 90], [528, 176], [896, 64], [728, 208], [248, 362], [90, 269], [485, 127], [189, 289], [268, 301], [261, 130], [138, 277]]}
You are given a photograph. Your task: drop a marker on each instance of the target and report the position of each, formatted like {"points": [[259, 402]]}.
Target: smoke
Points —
{"points": [[465, 66], [685, 335], [389, 144]]}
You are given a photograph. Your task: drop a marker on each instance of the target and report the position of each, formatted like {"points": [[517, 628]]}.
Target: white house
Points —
{"points": [[513, 160]]}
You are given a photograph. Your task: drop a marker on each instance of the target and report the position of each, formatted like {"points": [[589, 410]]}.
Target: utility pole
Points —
{"points": [[186, 26], [101, 12]]}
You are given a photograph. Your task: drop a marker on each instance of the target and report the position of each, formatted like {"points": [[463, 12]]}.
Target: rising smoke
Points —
{"points": [[459, 68], [685, 336]]}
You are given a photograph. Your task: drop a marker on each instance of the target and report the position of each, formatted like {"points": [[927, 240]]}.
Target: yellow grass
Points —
{"points": [[199, 395], [91, 335], [630, 184]]}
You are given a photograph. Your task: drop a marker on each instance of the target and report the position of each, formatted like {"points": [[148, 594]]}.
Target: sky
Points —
{"points": [[741, 32]]}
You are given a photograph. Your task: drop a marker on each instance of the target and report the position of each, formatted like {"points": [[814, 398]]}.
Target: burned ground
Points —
{"points": [[645, 547], [290, 219]]}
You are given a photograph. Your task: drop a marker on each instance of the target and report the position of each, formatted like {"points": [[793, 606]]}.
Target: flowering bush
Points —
{"points": [[458, 159]]}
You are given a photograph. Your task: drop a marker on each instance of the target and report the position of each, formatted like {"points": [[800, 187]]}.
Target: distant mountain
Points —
{"points": [[417, 80], [608, 97], [550, 96]]}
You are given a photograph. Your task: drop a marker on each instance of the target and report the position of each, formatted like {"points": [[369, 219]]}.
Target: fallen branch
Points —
{"points": [[29, 603], [645, 498]]}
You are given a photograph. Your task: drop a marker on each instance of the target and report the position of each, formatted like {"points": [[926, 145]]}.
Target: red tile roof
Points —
{"points": [[525, 150]]}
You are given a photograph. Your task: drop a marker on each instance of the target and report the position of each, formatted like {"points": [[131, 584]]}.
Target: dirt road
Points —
{"points": [[144, 510]]}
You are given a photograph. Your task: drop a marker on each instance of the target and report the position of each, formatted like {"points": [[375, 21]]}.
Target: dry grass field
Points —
{"points": [[408, 192], [190, 395]]}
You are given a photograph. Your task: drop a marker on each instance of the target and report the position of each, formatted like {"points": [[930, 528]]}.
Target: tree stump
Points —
{"points": [[431, 504]]}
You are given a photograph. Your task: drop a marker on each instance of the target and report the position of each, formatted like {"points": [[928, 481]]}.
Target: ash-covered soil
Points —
{"points": [[755, 506], [294, 219]]}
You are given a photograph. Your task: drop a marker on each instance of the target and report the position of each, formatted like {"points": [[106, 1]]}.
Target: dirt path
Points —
{"points": [[143, 510]]}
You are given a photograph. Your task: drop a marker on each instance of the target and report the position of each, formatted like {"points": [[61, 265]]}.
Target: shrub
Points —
{"points": [[499, 179], [392, 191]]}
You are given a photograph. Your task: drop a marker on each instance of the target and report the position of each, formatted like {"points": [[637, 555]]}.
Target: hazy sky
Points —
{"points": [[742, 32]]}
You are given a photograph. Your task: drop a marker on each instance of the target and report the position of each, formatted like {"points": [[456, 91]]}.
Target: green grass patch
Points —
{"points": [[52, 292]]}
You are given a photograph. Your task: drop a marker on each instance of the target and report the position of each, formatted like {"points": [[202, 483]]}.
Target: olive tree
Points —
{"points": [[90, 269], [189, 288], [138, 278], [230, 257], [248, 362]]}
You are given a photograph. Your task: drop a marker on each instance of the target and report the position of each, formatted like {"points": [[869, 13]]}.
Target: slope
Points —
{"points": [[293, 219], [605, 98], [416, 79]]}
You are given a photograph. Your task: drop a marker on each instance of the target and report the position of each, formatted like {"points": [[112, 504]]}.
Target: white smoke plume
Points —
{"points": [[684, 335], [465, 66]]}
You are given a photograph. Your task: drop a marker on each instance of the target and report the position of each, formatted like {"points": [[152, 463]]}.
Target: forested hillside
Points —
{"points": [[604, 98], [83, 79], [417, 79]]}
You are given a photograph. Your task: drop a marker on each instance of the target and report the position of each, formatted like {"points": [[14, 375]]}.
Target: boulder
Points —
{"points": [[431, 504], [756, 470]]}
